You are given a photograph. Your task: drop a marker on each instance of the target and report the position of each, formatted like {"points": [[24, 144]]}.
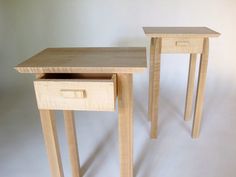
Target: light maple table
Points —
{"points": [[193, 40], [85, 79]]}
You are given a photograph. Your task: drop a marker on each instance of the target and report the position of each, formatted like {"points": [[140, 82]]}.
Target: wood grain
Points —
{"points": [[72, 143], [51, 142], [179, 32], [76, 94], [190, 87], [182, 45], [151, 65], [200, 89], [156, 88], [86, 60], [125, 104]]}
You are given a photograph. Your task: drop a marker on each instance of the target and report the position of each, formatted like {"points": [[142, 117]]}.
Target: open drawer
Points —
{"points": [[76, 92]]}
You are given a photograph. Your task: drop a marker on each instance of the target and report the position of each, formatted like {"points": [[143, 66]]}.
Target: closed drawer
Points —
{"points": [[76, 92], [182, 45]]}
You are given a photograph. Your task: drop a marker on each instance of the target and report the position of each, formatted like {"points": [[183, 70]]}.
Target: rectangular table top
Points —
{"points": [[180, 32], [86, 60]]}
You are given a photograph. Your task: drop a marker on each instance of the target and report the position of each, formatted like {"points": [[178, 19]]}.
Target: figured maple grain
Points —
{"points": [[86, 60]]}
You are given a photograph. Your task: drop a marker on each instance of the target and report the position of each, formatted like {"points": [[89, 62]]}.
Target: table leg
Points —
{"points": [[51, 142], [200, 89], [151, 64], [190, 87], [125, 106], [155, 87], [72, 142]]}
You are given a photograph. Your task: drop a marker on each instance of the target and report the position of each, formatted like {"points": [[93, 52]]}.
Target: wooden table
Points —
{"points": [[85, 79], [193, 40]]}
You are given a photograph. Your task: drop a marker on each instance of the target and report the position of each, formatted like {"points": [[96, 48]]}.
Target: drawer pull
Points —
{"points": [[73, 93], [182, 43]]}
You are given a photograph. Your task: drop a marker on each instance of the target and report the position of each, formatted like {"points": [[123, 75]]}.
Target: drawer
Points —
{"points": [[182, 45], [76, 92]]}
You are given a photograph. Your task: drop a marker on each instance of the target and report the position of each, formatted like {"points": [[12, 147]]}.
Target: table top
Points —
{"points": [[86, 60], [180, 32]]}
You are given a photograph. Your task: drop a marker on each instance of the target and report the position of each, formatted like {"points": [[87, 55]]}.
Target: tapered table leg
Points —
{"points": [[200, 89], [51, 142], [72, 142], [155, 87], [190, 87], [151, 65], [125, 106]]}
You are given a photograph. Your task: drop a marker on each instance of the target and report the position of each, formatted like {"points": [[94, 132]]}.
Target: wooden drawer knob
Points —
{"points": [[182, 43], [73, 93]]}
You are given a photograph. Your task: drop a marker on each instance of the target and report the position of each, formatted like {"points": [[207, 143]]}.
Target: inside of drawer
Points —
{"points": [[76, 76]]}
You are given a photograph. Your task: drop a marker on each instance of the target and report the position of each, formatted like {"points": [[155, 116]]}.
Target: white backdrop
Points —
{"points": [[28, 26]]}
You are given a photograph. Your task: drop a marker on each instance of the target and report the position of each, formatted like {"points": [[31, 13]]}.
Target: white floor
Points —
{"points": [[173, 154]]}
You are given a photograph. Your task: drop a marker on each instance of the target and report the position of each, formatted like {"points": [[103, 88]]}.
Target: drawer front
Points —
{"points": [[76, 94], [182, 45]]}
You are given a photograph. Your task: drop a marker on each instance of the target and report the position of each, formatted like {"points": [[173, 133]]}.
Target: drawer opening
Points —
{"points": [[92, 76]]}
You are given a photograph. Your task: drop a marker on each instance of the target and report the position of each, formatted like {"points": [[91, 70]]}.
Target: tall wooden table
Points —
{"points": [[193, 40], [85, 79]]}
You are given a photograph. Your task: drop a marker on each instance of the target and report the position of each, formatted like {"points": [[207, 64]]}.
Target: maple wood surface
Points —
{"points": [[86, 60], [180, 32]]}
